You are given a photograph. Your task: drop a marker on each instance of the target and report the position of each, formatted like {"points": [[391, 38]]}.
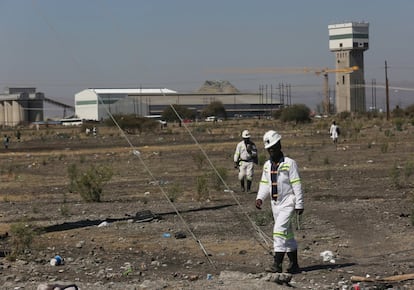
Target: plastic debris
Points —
{"points": [[328, 256], [56, 261], [103, 224], [166, 235]]}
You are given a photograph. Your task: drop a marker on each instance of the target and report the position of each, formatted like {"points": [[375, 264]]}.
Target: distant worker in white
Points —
{"points": [[281, 182], [334, 131], [245, 157]]}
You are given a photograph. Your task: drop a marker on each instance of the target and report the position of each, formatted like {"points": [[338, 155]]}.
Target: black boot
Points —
{"points": [[242, 185], [293, 264], [276, 267], [249, 185]]}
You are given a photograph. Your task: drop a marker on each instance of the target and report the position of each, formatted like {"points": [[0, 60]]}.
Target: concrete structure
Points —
{"points": [[349, 41], [96, 104], [99, 104], [20, 106]]}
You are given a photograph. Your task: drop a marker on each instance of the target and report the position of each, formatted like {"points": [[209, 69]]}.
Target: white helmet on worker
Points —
{"points": [[270, 138], [245, 134]]}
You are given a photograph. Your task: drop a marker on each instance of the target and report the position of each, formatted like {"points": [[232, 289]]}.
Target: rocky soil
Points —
{"points": [[153, 228]]}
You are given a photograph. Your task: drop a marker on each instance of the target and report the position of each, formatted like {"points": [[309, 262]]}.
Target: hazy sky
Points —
{"points": [[62, 47]]}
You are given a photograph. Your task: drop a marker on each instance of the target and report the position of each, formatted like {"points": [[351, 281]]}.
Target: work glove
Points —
{"points": [[259, 203], [299, 211], [236, 165]]}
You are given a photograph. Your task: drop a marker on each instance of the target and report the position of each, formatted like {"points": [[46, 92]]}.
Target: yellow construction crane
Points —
{"points": [[294, 70]]}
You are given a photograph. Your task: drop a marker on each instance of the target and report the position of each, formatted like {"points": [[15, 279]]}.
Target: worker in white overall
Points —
{"points": [[281, 182], [244, 159], [334, 132]]}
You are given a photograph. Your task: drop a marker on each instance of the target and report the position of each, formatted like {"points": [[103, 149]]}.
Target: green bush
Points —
{"points": [[89, 184], [263, 217], [21, 236], [202, 187], [133, 124], [399, 122], [169, 113], [298, 113], [174, 192], [215, 108]]}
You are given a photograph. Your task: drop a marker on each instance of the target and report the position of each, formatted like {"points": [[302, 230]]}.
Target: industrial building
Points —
{"points": [[98, 104], [349, 41], [20, 106]]}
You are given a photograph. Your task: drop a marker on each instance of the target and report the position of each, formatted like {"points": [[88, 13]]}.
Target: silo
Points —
{"points": [[8, 113], [17, 112], [2, 116]]}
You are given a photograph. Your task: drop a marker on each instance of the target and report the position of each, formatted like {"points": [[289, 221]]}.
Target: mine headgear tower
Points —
{"points": [[349, 41]]}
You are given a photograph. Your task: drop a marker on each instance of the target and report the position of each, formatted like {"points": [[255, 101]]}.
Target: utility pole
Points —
{"points": [[387, 93]]}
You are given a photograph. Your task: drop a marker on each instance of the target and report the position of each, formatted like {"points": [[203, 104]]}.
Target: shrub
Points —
{"points": [[395, 176], [217, 183], [202, 187], [215, 108], [409, 111], [263, 217], [21, 239], [344, 115], [199, 160], [398, 112], [399, 124], [169, 114], [133, 124], [174, 192], [298, 113], [89, 184], [384, 148]]}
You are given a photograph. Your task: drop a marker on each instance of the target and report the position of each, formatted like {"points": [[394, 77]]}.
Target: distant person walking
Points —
{"points": [[334, 131], [281, 182], [6, 141], [244, 159]]}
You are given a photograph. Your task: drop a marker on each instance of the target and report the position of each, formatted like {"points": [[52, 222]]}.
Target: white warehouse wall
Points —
{"points": [[86, 105], [99, 104]]}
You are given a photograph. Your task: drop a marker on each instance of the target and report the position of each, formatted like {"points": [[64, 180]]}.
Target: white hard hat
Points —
{"points": [[270, 138], [245, 134]]}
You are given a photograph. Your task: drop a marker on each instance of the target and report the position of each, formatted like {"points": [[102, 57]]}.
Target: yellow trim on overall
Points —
{"points": [[284, 236], [284, 167], [296, 180]]}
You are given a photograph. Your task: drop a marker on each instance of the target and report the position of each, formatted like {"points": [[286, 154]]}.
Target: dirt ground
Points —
{"points": [[166, 222]]}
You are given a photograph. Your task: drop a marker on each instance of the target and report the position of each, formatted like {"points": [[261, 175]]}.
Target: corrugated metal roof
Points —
{"points": [[133, 91]]}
